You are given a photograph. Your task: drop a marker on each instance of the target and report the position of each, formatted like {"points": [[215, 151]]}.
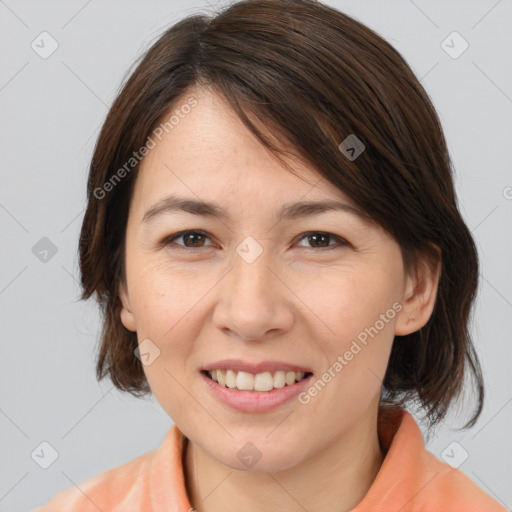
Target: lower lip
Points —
{"points": [[255, 401]]}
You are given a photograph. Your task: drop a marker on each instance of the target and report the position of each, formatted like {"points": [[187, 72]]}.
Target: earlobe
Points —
{"points": [[420, 294], [126, 314]]}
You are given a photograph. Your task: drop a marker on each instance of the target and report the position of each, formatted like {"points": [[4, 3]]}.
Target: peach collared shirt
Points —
{"points": [[411, 479]]}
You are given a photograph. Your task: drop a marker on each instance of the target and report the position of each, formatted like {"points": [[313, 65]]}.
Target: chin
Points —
{"points": [[254, 458]]}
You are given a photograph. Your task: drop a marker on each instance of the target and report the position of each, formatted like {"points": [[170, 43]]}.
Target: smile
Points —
{"points": [[246, 381], [254, 401]]}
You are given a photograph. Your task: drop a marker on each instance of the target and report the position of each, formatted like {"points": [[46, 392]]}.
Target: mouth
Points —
{"points": [[250, 387], [256, 382]]}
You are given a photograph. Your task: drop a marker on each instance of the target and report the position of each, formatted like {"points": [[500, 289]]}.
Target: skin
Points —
{"points": [[298, 302]]}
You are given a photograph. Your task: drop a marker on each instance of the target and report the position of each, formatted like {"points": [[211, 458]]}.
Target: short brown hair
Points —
{"points": [[313, 75]]}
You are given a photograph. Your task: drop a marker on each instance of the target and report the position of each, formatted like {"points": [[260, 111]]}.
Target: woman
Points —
{"points": [[273, 234]]}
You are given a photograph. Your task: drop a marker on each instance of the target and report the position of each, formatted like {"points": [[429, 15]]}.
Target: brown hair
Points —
{"points": [[313, 75]]}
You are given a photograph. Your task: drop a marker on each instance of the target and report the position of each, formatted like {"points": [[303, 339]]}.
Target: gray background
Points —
{"points": [[51, 111]]}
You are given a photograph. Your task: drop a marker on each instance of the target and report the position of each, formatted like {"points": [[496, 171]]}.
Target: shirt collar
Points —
{"points": [[407, 469]]}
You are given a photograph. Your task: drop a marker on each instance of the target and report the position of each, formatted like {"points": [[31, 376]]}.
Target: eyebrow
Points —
{"points": [[288, 211]]}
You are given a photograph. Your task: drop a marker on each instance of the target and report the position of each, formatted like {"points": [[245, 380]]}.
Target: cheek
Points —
{"points": [[164, 323], [357, 308], [351, 300], [162, 301], [166, 315]]}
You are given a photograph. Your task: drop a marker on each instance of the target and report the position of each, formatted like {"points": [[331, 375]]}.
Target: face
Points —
{"points": [[301, 290]]}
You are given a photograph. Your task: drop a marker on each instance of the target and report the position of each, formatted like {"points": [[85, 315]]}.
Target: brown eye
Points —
{"points": [[195, 239], [192, 239], [320, 240]]}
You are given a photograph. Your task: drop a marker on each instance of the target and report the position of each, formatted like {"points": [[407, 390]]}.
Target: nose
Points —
{"points": [[254, 302]]}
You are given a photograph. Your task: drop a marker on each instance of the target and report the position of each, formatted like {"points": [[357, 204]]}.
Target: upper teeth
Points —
{"points": [[245, 381]]}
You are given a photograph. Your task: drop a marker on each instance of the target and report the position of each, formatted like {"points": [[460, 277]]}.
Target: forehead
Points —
{"points": [[210, 154]]}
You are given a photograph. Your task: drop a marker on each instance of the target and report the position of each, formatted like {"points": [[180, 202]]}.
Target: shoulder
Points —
{"points": [[105, 490], [452, 487], [412, 478]]}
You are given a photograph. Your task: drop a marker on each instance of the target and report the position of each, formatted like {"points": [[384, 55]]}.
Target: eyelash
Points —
{"points": [[341, 242]]}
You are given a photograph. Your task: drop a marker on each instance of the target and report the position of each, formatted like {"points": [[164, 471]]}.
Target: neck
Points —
{"points": [[336, 479]]}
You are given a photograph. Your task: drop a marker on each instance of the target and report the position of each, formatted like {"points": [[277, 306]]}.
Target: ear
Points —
{"points": [[127, 317], [420, 292]]}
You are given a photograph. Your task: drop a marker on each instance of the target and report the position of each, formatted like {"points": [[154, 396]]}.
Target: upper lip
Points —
{"points": [[264, 366]]}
